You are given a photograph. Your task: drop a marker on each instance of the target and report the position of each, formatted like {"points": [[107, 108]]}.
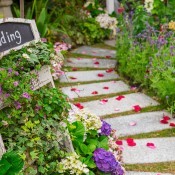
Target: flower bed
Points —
{"points": [[145, 52]]}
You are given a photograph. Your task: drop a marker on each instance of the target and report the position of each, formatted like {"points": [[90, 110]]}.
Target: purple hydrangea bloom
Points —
{"points": [[26, 95], [10, 70], [106, 162], [105, 129]]}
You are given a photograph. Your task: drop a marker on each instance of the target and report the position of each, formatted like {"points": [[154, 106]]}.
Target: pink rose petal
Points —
{"points": [[166, 118], [172, 124], [137, 108], [119, 142], [100, 75], [151, 145], [164, 121], [107, 56], [73, 89], [79, 58], [106, 87], [120, 97], [133, 88], [109, 70], [132, 123], [78, 105], [116, 109], [94, 59], [96, 62], [74, 69], [94, 92], [83, 52], [72, 78], [103, 101]]}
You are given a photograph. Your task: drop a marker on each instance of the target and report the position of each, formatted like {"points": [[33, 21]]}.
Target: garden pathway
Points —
{"points": [[93, 84]]}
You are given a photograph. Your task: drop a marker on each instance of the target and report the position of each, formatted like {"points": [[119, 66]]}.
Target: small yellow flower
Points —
{"points": [[171, 25]]}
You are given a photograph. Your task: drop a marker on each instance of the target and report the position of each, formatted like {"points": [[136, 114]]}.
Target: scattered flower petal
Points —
{"points": [[116, 109], [151, 145], [119, 142], [94, 59], [166, 118], [108, 56], [79, 58], [103, 101], [83, 52], [109, 70], [100, 75], [73, 89], [137, 108], [106, 87], [164, 121], [78, 105], [96, 62], [69, 61], [130, 142], [94, 92], [120, 97], [132, 123], [72, 78], [172, 124], [74, 69]]}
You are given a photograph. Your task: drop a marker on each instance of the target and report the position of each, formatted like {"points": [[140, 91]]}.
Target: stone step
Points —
{"points": [[115, 106], [85, 76], [163, 152], [87, 50], [145, 173], [111, 42], [87, 90], [91, 63], [139, 123]]}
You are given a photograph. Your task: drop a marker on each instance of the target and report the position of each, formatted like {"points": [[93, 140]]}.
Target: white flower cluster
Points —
{"points": [[90, 121], [107, 22], [73, 165], [148, 4], [88, 3]]}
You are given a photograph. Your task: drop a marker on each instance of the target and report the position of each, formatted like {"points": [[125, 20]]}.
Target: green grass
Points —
{"points": [[147, 109], [60, 84], [99, 97], [158, 134], [77, 55], [104, 46], [166, 167]]}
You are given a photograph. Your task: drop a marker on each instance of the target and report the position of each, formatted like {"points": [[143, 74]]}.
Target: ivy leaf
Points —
{"points": [[34, 154]]}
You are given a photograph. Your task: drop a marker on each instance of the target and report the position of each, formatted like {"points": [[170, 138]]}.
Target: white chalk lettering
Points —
{"points": [[18, 36], [2, 39], [12, 37]]}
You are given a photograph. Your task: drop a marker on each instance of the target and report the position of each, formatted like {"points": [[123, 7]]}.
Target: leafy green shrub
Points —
{"points": [[31, 121]]}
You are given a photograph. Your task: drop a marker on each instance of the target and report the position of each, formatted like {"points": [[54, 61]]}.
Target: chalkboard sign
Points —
{"points": [[16, 33]]}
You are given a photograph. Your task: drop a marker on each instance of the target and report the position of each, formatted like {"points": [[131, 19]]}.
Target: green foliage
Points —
{"points": [[31, 121], [85, 143], [11, 163]]}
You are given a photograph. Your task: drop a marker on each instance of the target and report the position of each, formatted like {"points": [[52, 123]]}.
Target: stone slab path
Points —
{"points": [[87, 50], [87, 90], [115, 106], [96, 63], [111, 42], [145, 173], [164, 151], [137, 123], [85, 76]]}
